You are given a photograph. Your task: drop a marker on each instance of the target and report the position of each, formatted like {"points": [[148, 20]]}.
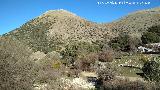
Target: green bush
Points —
{"points": [[155, 29], [150, 37], [144, 58], [124, 42], [75, 49], [151, 70], [56, 65]]}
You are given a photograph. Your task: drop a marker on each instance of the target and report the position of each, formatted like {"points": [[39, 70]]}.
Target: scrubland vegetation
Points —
{"points": [[114, 61]]}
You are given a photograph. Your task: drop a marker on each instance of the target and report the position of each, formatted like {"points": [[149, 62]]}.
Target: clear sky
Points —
{"points": [[14, 13]]}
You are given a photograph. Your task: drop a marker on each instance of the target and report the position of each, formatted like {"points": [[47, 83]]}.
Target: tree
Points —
{"points": [[155, 29], [76, 48], [150, 37], [151, 70], [124, 42]]}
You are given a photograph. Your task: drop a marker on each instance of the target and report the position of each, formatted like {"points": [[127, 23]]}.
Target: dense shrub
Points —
{"points": [[48, 71], [124, 42], [155, 29], [75, 49], [106, 56], [106, 74], [144, 58], [152, 35], [85, 62], [120, 42], [56, 64], [151, 70], [17, 71]]}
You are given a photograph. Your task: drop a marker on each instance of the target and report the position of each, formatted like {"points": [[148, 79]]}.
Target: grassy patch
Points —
{"points": [[132, 60]]}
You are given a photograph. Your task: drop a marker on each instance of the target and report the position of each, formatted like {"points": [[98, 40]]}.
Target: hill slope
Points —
{"points": [[60, 27], [137, 22], [59, 44]]}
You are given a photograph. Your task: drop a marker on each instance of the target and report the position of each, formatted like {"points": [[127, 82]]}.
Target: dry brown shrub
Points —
{"points": [[106, 56], [84, 62]]}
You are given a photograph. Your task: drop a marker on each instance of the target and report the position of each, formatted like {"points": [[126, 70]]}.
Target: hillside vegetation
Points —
{"points": [[50, 51]]}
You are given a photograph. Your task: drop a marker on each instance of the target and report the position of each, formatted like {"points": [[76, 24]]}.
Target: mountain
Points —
{"points": [[138, 21], [57, 28], [47, 51]]}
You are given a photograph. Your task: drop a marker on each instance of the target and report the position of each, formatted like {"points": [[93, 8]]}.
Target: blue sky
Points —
{"points": [[14, 13]]}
